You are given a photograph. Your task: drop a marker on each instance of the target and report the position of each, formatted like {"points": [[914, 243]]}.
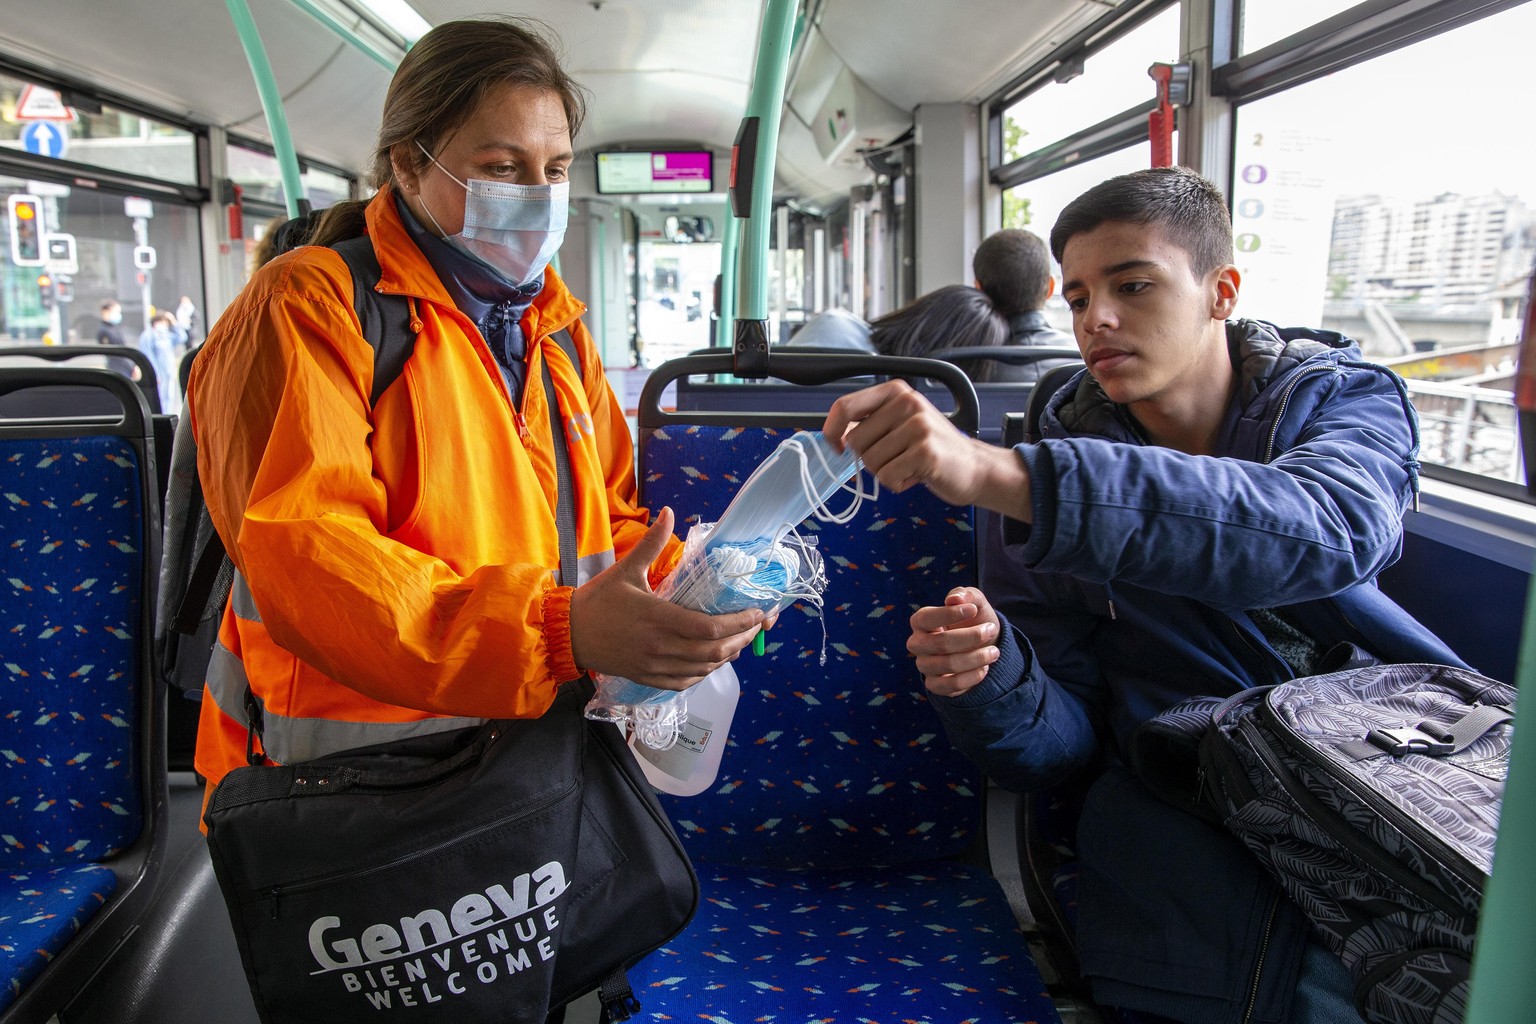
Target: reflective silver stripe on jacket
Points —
{"points": [[292, 740], [240, 599], [589, 566]]}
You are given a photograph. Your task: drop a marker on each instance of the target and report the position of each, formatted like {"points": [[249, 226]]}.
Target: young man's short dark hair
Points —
{"points": [[1187, 206], [1013, 268]]}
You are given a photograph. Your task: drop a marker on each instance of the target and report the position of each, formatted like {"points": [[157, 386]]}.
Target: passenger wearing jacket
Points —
{"points": [[398, 559], [1208, 510], [1013, 267]]}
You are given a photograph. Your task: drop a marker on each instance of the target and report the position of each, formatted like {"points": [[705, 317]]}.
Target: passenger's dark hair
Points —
{"points": [[952, 316], [439, 85], [1190, 208], [1013, 267], [283, 235]]}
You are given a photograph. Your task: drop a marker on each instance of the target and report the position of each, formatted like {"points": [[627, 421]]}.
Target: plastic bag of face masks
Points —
{"points": [[751, 558]]}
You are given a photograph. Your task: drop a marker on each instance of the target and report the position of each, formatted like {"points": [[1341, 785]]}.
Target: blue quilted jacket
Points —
{"points": [[1131, 592]]}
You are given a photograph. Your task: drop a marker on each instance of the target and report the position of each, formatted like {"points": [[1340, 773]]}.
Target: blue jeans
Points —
{"points": [[1325, 993]]}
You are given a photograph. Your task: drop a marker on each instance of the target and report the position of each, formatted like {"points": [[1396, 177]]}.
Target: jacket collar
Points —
{"points": [[1262, 354], [406, 271], [1030, 321]]}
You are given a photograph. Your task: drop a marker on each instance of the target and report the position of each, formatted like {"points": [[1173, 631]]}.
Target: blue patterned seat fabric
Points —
{"points": [[71, 569], [39, 911], [935, 944], [828, 773]]}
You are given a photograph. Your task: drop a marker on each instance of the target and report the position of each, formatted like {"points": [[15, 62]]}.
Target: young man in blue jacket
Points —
{"points": [[1207, 511]]}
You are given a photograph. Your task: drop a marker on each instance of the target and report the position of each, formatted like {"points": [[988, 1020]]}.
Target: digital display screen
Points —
{"points": [[690, 170]]}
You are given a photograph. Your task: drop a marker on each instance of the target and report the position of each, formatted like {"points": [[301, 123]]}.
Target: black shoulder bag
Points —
{"points": [[490, 874]]}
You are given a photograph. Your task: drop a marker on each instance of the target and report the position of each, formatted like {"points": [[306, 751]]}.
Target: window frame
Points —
{"points": [[88, 97], [1115, 132], [1353, 36]]}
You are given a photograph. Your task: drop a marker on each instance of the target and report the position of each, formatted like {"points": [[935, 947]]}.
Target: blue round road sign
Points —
{"points": [[45, 138]]}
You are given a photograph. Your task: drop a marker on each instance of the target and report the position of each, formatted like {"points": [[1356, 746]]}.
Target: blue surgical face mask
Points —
{"points": [[115, 317], [516, 229]]}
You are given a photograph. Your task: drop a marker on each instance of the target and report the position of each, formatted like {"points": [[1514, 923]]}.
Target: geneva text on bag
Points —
{"points": [[486, 875]]}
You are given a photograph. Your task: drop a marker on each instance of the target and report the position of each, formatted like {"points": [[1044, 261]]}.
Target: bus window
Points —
{"points": [[1412, 229], [1267, 21], [1113, 79]]}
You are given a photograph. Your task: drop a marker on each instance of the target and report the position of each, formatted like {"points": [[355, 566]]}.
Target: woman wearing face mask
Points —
{"points": [[160, 341], [397, 559]]}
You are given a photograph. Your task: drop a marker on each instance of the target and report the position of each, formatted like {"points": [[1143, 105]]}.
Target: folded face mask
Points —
{"points": [[790, 486]]}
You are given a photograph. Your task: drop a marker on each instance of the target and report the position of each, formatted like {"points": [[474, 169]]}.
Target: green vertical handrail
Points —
{"points": [[758, 142], [1503, 983], [345, 32], [271, 102], [728, 252]]}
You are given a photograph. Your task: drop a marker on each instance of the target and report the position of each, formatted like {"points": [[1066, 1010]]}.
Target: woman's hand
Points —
{"points": [[620, 628]]}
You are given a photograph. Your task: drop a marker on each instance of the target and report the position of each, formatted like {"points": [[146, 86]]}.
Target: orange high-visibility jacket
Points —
{"points": [[397, 565]]}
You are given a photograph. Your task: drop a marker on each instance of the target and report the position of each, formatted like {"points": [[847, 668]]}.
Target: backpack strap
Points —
{"points": [[385, 320]]}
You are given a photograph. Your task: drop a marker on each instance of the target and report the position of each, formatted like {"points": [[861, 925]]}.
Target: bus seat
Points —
{"points": [[1020, 366], [72, 401], [1052, 381], [81, 734], [776, 395], [837, 850], [68, 400]]}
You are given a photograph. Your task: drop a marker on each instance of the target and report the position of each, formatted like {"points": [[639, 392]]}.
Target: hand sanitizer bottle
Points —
{"points": [[690, 766]]}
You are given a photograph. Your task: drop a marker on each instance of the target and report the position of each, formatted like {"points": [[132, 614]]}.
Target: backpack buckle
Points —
{"points": [[1412, 739]]}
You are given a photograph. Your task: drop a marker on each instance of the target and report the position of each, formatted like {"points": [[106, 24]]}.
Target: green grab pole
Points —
{"points": [[767, 104], [1503, 983], [348, 36], [602, 283], [728, 252], [271, 102]]}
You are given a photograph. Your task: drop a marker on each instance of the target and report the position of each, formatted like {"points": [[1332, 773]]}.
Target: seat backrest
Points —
{"points": [[1051, 382], [83, 736], [842, 763], [72, 400]]}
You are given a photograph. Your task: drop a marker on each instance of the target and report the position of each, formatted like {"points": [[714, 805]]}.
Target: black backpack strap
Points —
{"points": [[617, 998], [386, 325], [385, 320], [568, 346]]}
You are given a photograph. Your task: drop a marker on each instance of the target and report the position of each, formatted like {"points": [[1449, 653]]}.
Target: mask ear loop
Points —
{"points": [[822, 513], [818, 506]]}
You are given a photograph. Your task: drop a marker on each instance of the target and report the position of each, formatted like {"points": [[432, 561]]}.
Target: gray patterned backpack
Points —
{"points": [[1372, 796]]}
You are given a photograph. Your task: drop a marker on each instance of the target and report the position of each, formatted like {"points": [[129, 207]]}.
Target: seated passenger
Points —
{"points": [[949, 317], [398, 558], [1013, 267], [834, 328], [1208, 511]]}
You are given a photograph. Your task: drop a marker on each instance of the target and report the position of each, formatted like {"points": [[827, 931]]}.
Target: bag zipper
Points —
{"points": [[1362, 848], [276, 892], [1394, 815]]}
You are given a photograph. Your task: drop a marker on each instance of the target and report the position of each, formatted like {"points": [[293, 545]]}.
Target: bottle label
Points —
{"points": [[677, 761]]}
